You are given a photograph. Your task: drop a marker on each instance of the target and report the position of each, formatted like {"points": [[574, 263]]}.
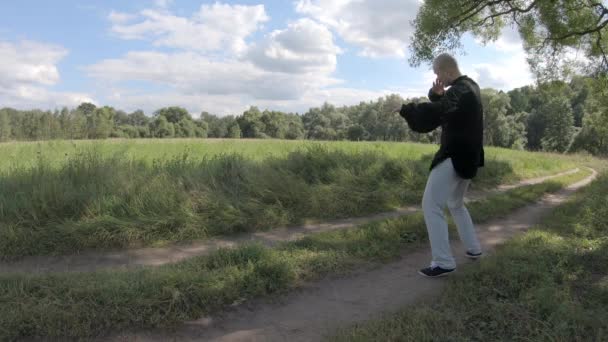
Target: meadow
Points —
{"points": [[82, 305], [62, 197]]}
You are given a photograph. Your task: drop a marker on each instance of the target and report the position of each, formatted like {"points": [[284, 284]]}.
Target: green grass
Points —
{"points": [[550, 284], [64, 197], [81, 305], [56, 153]]}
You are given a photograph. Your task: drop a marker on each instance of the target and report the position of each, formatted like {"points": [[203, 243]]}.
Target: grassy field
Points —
{"points": [[64, 197], [550, 284], [80, 305]]}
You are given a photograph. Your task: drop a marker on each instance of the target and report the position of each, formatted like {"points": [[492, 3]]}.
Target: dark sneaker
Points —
{"points": [[435, 271], [473, 255]]}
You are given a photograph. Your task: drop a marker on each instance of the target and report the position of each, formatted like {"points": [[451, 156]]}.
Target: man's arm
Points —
{"points": [[444, 108], [425, 117], [417, 120], [433, 96]]}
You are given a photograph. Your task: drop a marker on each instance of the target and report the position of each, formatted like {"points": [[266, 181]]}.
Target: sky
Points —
{"points": [[223, 57]]}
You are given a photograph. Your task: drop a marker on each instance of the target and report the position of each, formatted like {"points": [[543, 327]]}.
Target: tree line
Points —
{"points": [[555, 116]]}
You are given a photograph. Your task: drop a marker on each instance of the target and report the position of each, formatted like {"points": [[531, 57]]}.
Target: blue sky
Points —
{"points": [[222, 57]]}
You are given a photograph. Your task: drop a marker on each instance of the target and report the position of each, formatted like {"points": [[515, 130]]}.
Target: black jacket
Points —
{"points": [[459, 112]]}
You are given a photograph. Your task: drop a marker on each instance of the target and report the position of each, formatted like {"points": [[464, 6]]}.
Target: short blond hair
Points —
{"points": [[445, 62]]}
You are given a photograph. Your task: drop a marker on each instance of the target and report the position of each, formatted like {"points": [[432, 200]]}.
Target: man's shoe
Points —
{"points": [[435, 271], [473, 255]]}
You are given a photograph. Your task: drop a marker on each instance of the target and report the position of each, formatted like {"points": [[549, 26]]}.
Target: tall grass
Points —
{"points": [[81, 305], [119, 194]]}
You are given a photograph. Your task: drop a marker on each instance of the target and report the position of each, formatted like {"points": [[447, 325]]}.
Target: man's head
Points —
{"points": [[446, 68]]}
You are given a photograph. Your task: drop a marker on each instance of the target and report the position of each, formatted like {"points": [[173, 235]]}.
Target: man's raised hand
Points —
{"points": [[438, 87]]}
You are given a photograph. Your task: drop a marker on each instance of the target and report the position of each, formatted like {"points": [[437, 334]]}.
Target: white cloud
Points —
{"points": [[191, 73], [228, 87], [163, 3], [377, 27], [282, 68], [235, 105], [304, 46], [149, 102], [509, 40], [30, 63], [507, 73], [27, 69], [510, 70], [29, 97], [289, 69], [337, 96], [214, 27], [120, 18]]}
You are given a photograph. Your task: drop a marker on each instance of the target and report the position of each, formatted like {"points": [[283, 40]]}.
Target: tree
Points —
{"points": [[64, 123], [5, 126], [275, 124], [501, 129], [174, 114], [138, 118], [127, 131], [121, 118], [548, 29], [356, 132], [295, 128], [201, 129], [251, 124], [318, 125], [100, 123], [185, 128], [78, 125], [161, 128], [144, 131], [581, 87], [520, 99], [396, 127], [326, 123], [543, 105], [52, 127], [86, 108], [516, 134], [559, 131], [368, 119], [593, 136], [217, 127], [234, 131]]}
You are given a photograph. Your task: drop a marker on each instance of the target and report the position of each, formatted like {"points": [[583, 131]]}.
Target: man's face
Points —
{"points": [[441, 75]]}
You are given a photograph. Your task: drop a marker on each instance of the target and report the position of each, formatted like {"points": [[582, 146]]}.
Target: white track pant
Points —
{"points": [[445, 188]]}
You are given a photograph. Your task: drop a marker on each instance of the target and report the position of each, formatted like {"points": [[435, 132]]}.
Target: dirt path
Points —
{"points": [[132, 258], [318, 309]]}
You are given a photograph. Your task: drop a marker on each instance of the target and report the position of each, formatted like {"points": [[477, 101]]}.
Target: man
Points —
{"points": [[459, 113]]}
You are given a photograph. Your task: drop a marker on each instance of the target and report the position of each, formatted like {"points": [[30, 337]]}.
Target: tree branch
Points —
{"points": [[513, 10], [599, 45], [467, 15], [584, 32]]}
